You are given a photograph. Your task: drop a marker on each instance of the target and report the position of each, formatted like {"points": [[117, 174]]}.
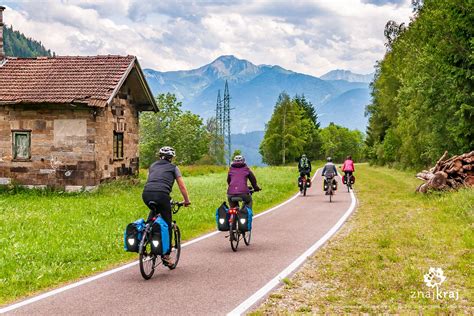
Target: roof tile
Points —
{"points": [[62, 79]]}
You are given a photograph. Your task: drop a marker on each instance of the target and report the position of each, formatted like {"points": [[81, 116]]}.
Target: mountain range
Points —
{"points": [[339, 96]]}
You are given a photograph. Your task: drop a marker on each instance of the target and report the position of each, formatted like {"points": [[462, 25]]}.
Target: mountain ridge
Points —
{"points": [[254, 89]]}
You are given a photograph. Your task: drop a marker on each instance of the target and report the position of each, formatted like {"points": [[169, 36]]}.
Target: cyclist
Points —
{"points": [[161, 177], [237, 178], [304, 168], [348, 168], [329, 172]]}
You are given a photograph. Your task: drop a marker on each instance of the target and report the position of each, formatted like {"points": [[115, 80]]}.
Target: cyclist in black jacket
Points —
{"points": [[304, 168], [161, 177]]}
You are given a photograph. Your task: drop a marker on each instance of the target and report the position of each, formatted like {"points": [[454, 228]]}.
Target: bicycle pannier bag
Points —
{"points": [[133, 235], [222, 217], [160, 238], [353, 179], [245, 219], [334, 185], [325, 185]]}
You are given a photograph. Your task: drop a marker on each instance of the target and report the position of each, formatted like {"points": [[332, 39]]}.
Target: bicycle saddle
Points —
{"points": [[153, 205], [236, 199]]}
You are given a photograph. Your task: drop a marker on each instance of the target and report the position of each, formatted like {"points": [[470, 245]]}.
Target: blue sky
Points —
{"points": [[311, 37]]}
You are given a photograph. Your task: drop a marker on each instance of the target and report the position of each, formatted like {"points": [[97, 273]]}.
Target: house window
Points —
{"points": [[21, 145], [118, 145]]}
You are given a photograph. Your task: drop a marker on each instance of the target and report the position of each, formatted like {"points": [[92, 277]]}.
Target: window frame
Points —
{"points": [[15, 132], [116, 145]]}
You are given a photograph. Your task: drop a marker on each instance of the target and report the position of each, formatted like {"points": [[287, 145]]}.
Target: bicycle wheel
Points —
{"points": [[234, 234], [247, 236], [146, 259], [304, 190], [175, 246]]}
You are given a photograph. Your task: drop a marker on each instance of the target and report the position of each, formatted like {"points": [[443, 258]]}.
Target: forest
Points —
{"points": [[422, 94], [18, 45]]}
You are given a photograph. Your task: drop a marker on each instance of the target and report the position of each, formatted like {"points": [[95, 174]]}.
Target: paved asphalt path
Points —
{"points": [[210, 279]]}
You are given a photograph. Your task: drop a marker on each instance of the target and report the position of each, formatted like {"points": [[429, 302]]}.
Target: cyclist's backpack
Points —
{"points": [[222, 217], [304, 163], [245, 219], [160, 238], [133, 235]]}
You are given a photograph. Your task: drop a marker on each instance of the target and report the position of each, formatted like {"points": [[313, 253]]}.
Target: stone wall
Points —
{"points": [[121, 116], [70, 146], [62, 146]]}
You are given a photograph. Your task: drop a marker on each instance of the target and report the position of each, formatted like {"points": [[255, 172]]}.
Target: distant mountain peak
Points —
{"points": [[342, 74], [230, 67]]}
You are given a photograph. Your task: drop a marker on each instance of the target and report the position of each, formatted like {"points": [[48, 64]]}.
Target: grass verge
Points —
{"points": [[48, 238], [377, 262]]}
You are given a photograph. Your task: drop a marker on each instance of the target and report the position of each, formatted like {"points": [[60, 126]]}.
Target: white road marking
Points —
{"points": [[248, 303], [104, 274]]}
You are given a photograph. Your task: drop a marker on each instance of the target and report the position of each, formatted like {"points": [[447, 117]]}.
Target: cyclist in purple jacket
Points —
{"points": [[237, 178]]}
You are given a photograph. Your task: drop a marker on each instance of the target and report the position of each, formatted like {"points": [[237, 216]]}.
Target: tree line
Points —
{"points": [[422, 94], [18, 45], [193, 140], [294, 130]]}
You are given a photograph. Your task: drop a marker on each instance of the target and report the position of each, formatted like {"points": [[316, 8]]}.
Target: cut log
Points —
{"points": [[469, 181], [424, 176], [439, 180], [423, 188], [449, 173], [438, 163]]}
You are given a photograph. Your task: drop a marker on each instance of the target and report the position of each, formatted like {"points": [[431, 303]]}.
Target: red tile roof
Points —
{"points": [[70, 79]]}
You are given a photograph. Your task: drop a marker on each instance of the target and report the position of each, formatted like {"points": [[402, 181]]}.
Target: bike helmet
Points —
{"points": [[329, 159], [239, 158], [167, 152], [303, 156]]}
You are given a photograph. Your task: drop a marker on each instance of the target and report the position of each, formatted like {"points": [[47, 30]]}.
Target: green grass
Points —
{"points": [[376, 263], [48, 238]]}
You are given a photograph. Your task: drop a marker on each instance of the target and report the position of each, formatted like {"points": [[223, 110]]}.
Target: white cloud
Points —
{"points": [[306, 36]]}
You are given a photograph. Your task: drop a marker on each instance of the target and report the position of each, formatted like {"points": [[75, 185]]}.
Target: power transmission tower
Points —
{"points": [[218, 148], [219, 114], [226, 122]]}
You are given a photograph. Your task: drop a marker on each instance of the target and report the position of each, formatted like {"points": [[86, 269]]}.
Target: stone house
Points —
{"points": [[70, 122]]}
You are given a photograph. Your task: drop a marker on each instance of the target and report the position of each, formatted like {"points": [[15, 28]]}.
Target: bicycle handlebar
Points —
{"points": [[175, 206]]}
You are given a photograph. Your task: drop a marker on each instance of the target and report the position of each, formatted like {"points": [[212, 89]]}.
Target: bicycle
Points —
{"points": [[330, 190], [348, 181], [147, 260], [303, 184], [235, 235]]}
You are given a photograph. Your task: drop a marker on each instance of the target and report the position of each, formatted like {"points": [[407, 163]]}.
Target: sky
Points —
{"points": [[311, 37]]}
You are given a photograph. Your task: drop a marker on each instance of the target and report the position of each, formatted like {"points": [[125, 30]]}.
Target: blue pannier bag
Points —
{"points": [[160, 238], [245, 219], [222, 217], [133, 235]]}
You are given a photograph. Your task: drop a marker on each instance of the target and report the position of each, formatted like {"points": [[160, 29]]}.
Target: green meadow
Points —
{"points": [[377, 262], [48, 238]]}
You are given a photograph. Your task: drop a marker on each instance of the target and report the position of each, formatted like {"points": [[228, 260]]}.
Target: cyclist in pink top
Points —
{"points": [[348, 168]]}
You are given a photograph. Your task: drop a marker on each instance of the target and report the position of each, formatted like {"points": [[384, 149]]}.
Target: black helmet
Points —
{"points": [[167, 152], [329, 159]]}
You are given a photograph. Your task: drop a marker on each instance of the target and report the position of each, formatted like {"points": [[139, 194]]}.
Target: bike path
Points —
{"points": [[210, 278]]}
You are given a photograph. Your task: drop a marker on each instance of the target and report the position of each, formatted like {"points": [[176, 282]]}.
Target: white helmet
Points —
{"points": [[239, 158], [167, 152]]}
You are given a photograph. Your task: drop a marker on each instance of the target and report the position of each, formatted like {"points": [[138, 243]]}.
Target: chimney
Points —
{"points": [[2, 52]]}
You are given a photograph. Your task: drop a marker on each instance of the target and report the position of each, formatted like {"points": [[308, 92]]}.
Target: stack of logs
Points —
{"points": [[449, 173]]}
